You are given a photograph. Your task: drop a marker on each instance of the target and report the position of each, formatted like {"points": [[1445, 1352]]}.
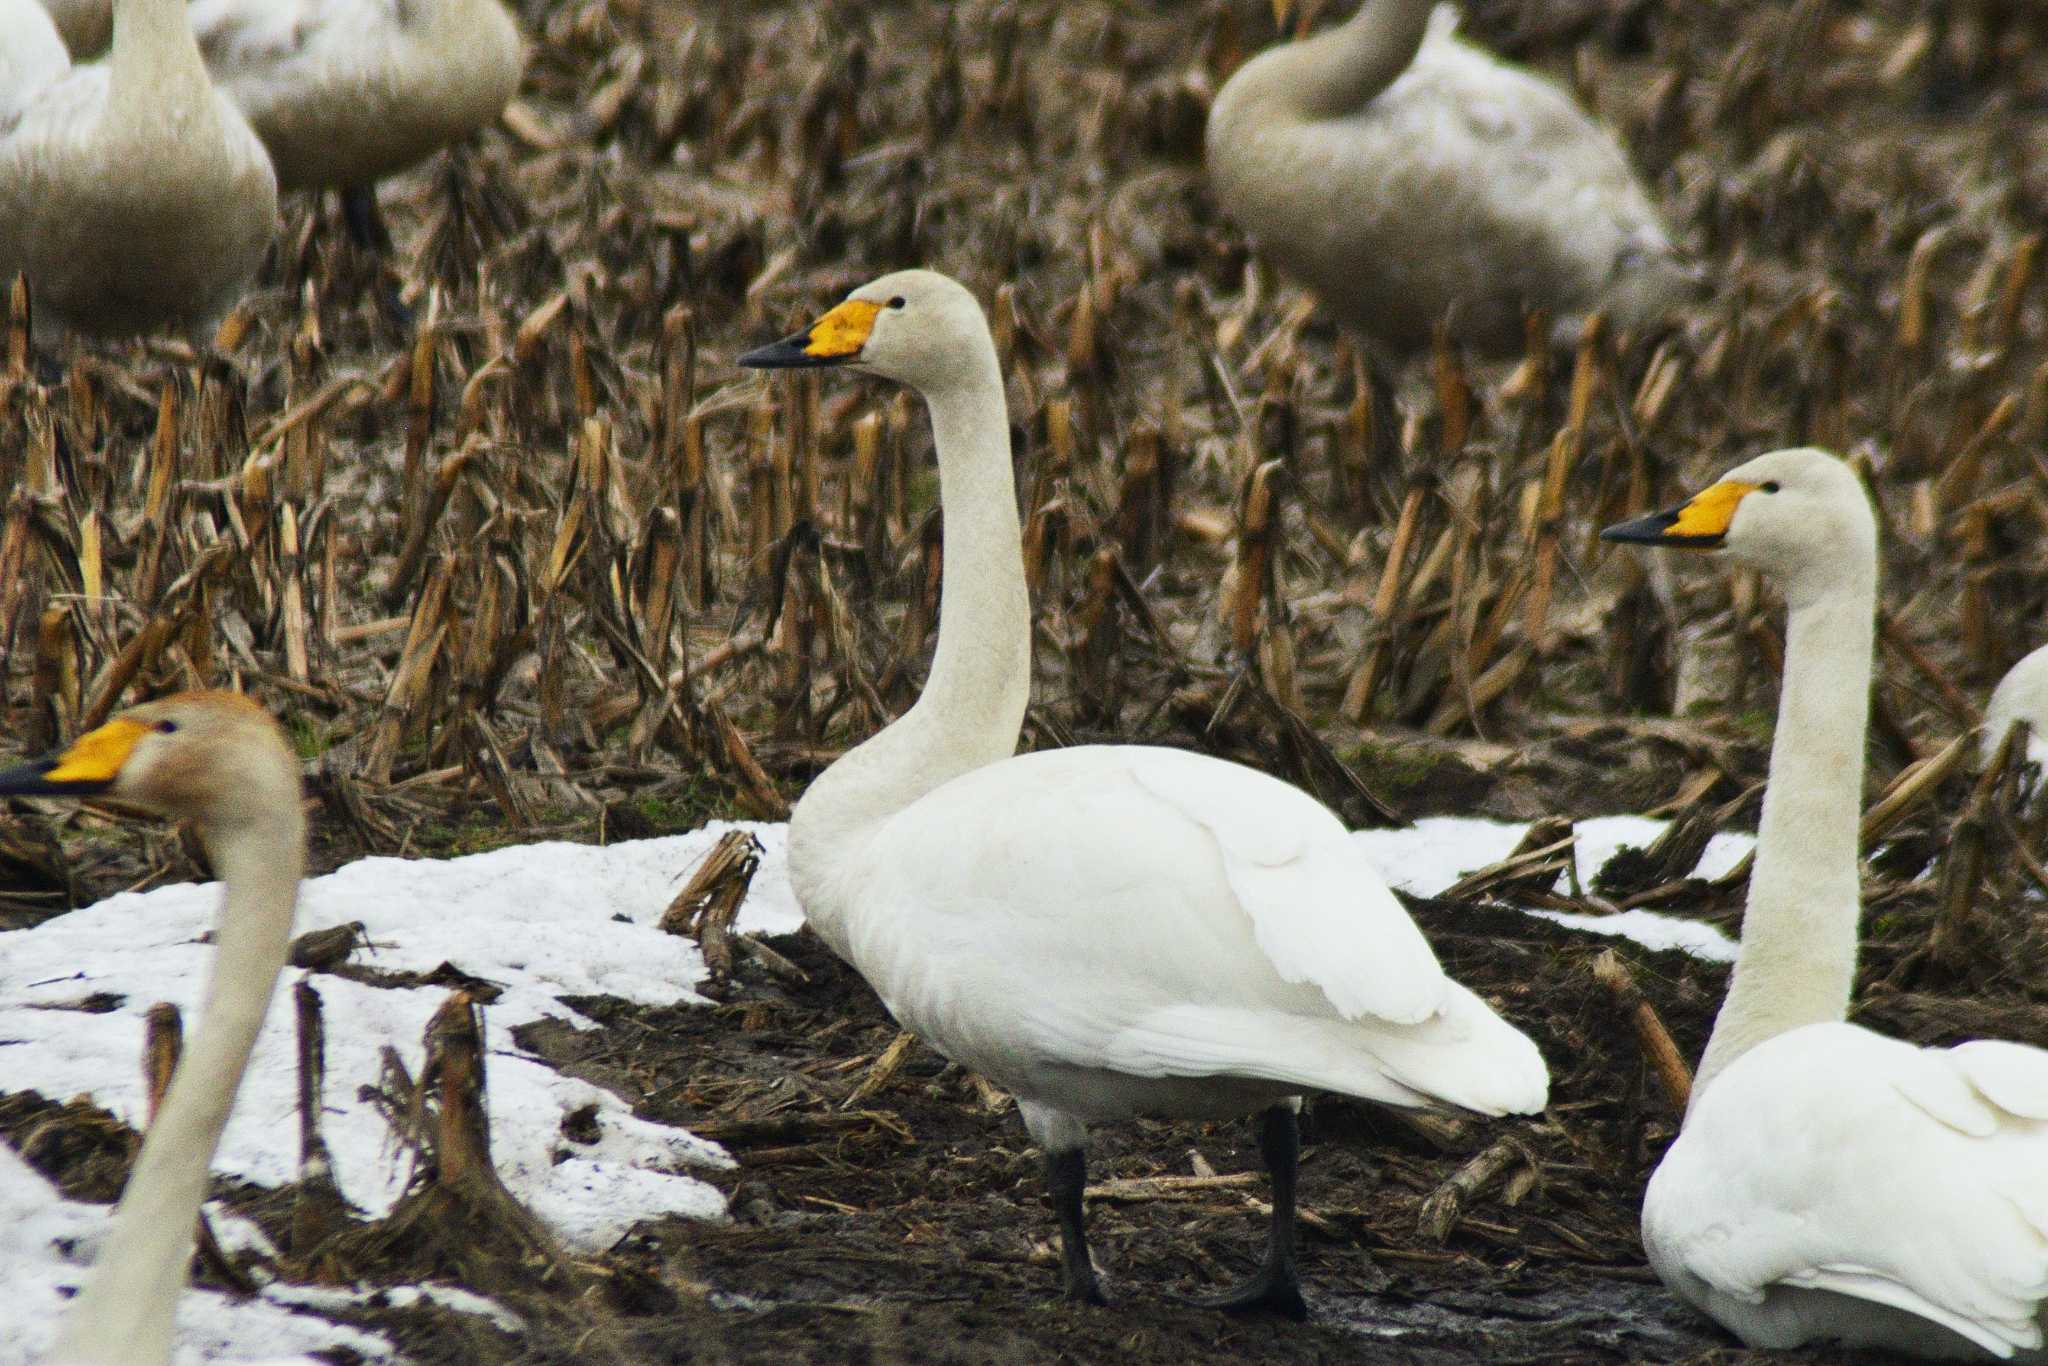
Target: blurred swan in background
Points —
{"points": [[1402, 174]]}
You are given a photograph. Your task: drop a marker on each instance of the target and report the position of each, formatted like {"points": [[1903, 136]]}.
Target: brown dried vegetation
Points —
{"points": [[546, 565]]}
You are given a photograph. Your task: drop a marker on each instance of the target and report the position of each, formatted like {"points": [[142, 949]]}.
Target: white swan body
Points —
{"points": [[221, 761], [1402, 174], [131, 192], [2022, 695], [1829, 1183], [1106, 930], [346, 92]]}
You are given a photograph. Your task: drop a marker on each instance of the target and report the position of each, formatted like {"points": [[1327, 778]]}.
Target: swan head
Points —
{"points": [[214, 758], [1801, 517], [917, 327]]}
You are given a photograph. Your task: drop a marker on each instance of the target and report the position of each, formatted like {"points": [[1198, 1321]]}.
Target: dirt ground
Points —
{"points": [[538, 562]]}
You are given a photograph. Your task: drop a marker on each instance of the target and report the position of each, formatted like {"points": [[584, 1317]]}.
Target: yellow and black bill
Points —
{"points": [[86, 769], [1699, 523], [835, 339]]}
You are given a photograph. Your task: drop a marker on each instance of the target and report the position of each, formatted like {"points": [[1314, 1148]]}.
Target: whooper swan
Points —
{"points": [[216, 759], [1829, 1182], [1402, 174], [1106, 931], [346, 92], [132, 193], [2022, 695]]}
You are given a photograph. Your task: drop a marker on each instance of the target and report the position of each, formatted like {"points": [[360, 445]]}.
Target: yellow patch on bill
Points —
{"points": [[1711, 510], [843, 331], [97, 756]]}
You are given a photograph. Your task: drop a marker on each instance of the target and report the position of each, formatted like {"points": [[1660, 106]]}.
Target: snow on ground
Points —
{"points": [[1432, 854], [544, 922]]}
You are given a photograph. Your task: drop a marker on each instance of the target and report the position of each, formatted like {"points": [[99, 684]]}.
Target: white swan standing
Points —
{"points": [[132, 192], [1830, 1183], [219, 760], [1402, 174], [1106, 931], [2022, 695], [346, 92]]}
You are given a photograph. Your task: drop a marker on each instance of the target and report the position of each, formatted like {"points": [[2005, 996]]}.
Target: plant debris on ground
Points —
{"points": [[540, 563]]}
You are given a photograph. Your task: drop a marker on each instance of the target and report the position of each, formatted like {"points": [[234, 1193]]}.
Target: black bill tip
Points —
{"points": [[791, 353], [32, 780], [1655, 529]]}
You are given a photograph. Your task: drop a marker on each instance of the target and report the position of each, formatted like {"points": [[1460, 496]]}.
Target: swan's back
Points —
{"points": [[1835, 1183], [1466, 185], [2022, 695], [345, 92], [1077, 922]]}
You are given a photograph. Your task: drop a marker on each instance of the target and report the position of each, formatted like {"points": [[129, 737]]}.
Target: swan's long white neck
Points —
{"points": [[158, 78], [973, 702], [126, 1312], [1799, 931], [1340, 71]]}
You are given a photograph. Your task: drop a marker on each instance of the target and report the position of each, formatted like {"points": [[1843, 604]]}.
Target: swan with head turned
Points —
{"points": [[1108, 930], [1404, 175], [132, 193], [220, 761], [1830, 1183]]}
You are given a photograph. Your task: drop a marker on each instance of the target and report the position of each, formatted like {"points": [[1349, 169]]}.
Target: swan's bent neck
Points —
{"points": [[1798, 959], [973, 702], [128, 1307], [1339, 72]]}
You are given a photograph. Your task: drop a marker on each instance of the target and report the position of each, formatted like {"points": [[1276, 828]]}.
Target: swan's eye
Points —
{"points": [[1770, 486], [167, 727], [896, 302]]}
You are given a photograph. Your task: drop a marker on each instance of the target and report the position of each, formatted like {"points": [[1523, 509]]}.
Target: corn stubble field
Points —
{"points": [[544, 564]]}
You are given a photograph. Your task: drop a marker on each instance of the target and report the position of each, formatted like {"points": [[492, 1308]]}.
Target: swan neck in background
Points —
{"points": [[972, 706], [1341, 71], [128, 1307], [1799, 930], [157, 74]]}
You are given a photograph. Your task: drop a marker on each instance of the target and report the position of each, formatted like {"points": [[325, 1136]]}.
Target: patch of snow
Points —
{"points": [[1434, 853], [541, 922]]}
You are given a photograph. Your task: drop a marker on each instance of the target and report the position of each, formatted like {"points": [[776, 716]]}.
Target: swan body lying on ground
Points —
{"points": [[346, 92], [1402, 174], [2022, 695], [1830, 1183], [132, 192], [1107, 931], [221, 762]]}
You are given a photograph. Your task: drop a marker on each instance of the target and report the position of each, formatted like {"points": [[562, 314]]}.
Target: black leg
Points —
{"points": [[1276, 1287], [365, 225], [1067, 1174]]}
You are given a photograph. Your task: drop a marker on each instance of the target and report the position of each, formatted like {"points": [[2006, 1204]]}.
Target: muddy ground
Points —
{"points": [[531, 563]]}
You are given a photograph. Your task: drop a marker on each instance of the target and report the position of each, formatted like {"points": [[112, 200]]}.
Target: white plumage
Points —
{"points": [[1107, 931], [131, 192], [1401, 173], [1830, 1183], [346, 92], [2022, 695]]}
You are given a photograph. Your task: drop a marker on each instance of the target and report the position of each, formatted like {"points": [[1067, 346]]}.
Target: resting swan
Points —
{"points": [[2022, 695], [216, 759], [1108, 930], [1402, 174], [346, 92], [132, 192], [1830, 1183]]}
